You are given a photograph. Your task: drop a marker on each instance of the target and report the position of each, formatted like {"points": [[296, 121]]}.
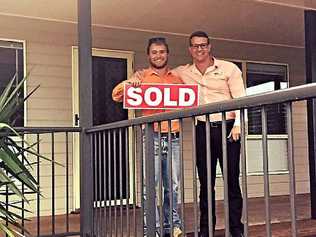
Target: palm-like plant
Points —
{"points": [[14, 165]]}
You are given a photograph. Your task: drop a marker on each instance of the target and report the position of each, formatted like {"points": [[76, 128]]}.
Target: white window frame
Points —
{"points": [[23, 42]]}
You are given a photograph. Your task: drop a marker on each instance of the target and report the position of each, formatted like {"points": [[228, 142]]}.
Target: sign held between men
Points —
{"points": [[160, 96]]}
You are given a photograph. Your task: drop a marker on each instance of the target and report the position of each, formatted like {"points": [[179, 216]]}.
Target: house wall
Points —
{"points": [[48, 57]]}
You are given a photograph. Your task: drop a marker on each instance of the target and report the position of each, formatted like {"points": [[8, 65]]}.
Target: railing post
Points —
{"points": [[243, 157], [209, 176], [150, 208], [264, 123], [195, 204], [85, 93], [310, 50], [291, 165], [225, 174]]}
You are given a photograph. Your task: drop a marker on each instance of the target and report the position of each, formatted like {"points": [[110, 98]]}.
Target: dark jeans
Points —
{"points": [[233, 158]]}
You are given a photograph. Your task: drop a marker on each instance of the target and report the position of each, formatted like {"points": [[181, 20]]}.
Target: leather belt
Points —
{"points": [[173, 134], [216, 124]]}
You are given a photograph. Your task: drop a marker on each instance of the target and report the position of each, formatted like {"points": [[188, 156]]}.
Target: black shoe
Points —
{"points": [[237, 235], [203, 234]]}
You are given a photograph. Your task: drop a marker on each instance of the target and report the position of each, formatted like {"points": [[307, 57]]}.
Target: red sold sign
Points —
{"points": [[160, 96]]}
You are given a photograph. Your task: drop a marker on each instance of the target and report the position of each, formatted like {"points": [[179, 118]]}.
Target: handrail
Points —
{"points": [[286, 95], [44, 129]]}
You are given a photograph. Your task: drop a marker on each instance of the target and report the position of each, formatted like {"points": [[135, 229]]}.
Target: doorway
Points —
{"points": [[109, 67]]}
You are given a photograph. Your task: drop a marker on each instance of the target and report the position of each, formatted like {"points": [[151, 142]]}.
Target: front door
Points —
{"points": [[108, 69]]}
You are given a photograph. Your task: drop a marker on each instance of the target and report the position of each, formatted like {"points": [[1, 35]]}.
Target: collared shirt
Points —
{"points": [[150, 76], [221, 81]]}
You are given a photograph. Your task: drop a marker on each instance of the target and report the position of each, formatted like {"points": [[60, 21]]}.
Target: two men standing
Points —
{"points": [[218, 80]]}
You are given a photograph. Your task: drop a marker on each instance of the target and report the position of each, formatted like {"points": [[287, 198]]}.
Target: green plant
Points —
{"points": [[14, 165]]}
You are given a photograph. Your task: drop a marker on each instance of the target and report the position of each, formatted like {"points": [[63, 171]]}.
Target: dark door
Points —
{"points": [[110, 155], [11, 66]]}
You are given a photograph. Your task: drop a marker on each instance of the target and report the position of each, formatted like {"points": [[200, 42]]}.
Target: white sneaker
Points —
{"points": [[177, 232]]}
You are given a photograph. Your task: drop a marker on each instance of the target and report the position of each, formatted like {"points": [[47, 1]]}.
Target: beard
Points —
{"points": [[153, 65]]}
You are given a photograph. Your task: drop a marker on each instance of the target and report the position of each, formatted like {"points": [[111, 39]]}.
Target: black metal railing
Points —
{"points": [[48, 212], [123, 163]]}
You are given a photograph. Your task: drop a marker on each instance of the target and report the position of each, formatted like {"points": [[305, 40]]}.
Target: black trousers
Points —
{"points": [[233, 158]]}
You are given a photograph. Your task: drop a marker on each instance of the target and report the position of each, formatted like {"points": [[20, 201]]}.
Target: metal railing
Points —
{"points": [[54, 178], [121, 168]]}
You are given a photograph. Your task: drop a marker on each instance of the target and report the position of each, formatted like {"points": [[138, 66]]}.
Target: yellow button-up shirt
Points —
{"points": [[221, 81]]}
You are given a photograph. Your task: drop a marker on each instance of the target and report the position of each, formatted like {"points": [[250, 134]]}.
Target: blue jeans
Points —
{"points": [[165, 181]]}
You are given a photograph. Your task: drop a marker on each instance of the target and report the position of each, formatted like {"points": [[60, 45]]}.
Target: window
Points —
{"points": [[263, 78], [11, 63]]}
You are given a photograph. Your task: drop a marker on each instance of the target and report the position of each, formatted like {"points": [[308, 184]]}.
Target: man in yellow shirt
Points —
{"points": [[218, 80]]}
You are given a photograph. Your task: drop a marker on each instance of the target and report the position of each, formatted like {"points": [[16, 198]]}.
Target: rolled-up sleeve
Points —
{"points": [[237, 89], [236, 84]]}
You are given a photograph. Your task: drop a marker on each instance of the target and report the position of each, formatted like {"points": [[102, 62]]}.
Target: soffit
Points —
{"points": [[271, 22]]}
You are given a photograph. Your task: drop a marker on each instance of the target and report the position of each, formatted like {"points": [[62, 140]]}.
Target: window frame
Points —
{"points": [[244, 76], [253, 137], [23, 42], [269, 136]]}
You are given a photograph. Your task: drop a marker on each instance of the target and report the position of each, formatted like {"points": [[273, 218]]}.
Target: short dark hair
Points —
{"points": [[157, 40], [199, 34]]}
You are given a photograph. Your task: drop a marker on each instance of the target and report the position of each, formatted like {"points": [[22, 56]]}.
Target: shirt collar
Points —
{"points": [[216, 63], [149, 71], [209, 69]]}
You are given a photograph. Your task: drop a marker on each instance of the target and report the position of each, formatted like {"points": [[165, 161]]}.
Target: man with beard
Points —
{"points": [[158, 72]]}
